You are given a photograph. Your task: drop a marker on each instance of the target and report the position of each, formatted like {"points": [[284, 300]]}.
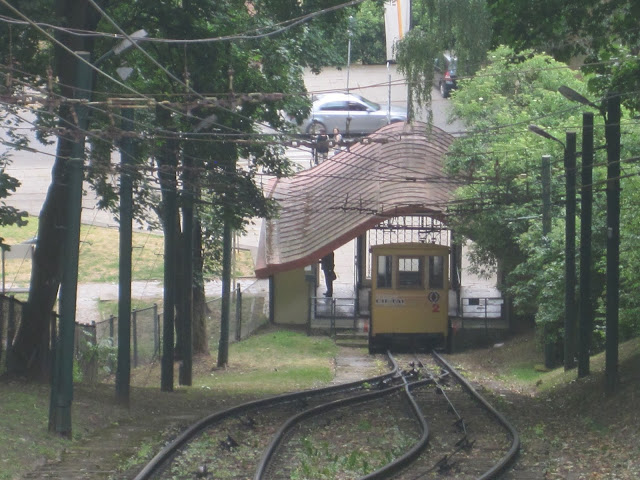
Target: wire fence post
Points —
{"points": [[134, 325], [111, 327], [238, 313], [11, 327], [156, 330], [311, 300], [2, 323], [92, 368], [333, 317], [486, 320]]}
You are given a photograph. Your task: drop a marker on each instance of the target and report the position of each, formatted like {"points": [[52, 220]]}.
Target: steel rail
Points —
{"points": [[510, 456], [383, 472], [190, 432], [278, 437], [409, 456], [451, 405]]}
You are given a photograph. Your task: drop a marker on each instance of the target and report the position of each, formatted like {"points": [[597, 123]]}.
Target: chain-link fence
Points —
{"points": [[10, 316], [11, 313], [249, 310], [96, 344]]}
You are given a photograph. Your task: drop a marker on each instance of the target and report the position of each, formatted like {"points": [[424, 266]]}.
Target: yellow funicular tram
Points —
{"points": [[409, 297]]}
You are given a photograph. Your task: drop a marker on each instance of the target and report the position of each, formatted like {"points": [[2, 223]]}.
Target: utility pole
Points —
{"points": [[189, 178], [586, 315], [549, 346], [225, 307], [570, 253], [62, 386], [227, 247], [612, 135], [350, 34], [62, 377], [167, 175], [546, 195], [123, 370], [570, 243], [168, 314]]}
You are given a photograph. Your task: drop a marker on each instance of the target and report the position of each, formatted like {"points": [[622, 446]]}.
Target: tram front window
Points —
{"points": [[436, 272], [410, 272], [384, 271]]}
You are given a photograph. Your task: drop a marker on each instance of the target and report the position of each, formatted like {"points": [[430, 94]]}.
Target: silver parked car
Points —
{"points": [[351, 114]]}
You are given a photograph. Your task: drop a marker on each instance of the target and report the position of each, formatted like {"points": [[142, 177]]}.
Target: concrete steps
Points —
{"points": [[352, 339]]}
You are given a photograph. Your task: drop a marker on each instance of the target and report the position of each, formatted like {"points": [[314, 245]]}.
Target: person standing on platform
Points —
{"points": [[328, 265]]}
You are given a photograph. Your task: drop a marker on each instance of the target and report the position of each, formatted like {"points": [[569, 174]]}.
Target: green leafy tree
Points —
{"points": [[547, 26], [460, 26], [208, 154], [8, 214], [501, 204], [259, 55], [629, 251], [30, 353], [368, 41], [602, 37], [21, 51], [499, 160]]}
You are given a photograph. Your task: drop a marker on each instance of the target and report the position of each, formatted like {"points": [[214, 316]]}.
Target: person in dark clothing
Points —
{"points": [[322, 146], [327, 264]]}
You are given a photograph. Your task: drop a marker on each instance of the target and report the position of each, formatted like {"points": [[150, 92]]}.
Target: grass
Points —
{"points": [[559, 377], [517, 364], [569, 426], [291, 361], [525, 373], [321, 459], [552, 408], [99, 254], [267, 363]]}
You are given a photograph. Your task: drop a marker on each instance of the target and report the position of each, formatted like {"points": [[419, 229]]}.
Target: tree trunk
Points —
{"points": [[31, 353], [167, 161], [200, 309], [31, 350], [181, 291]]}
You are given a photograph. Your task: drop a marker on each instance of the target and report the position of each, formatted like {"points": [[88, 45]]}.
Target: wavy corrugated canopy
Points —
{"points": [[398, 172]]}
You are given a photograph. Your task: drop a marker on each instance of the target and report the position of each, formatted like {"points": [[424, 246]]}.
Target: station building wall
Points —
{"points": [[291, 297]]}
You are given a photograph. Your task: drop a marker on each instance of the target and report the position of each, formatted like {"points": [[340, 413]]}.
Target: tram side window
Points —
{"points": [[384, 271], [436, 272], [410, 272]]}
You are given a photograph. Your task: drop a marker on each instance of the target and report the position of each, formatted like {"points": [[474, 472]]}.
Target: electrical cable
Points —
{"points": [[134, 43], [492, 130], [93, 67], [285, 25]]}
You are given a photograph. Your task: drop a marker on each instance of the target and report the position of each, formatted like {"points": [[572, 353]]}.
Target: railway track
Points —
{"points": [[423, 421], [468, 438], [228, 444]]}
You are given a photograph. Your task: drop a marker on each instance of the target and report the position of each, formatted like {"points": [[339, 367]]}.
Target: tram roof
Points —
{"points": [[395, 171]]}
